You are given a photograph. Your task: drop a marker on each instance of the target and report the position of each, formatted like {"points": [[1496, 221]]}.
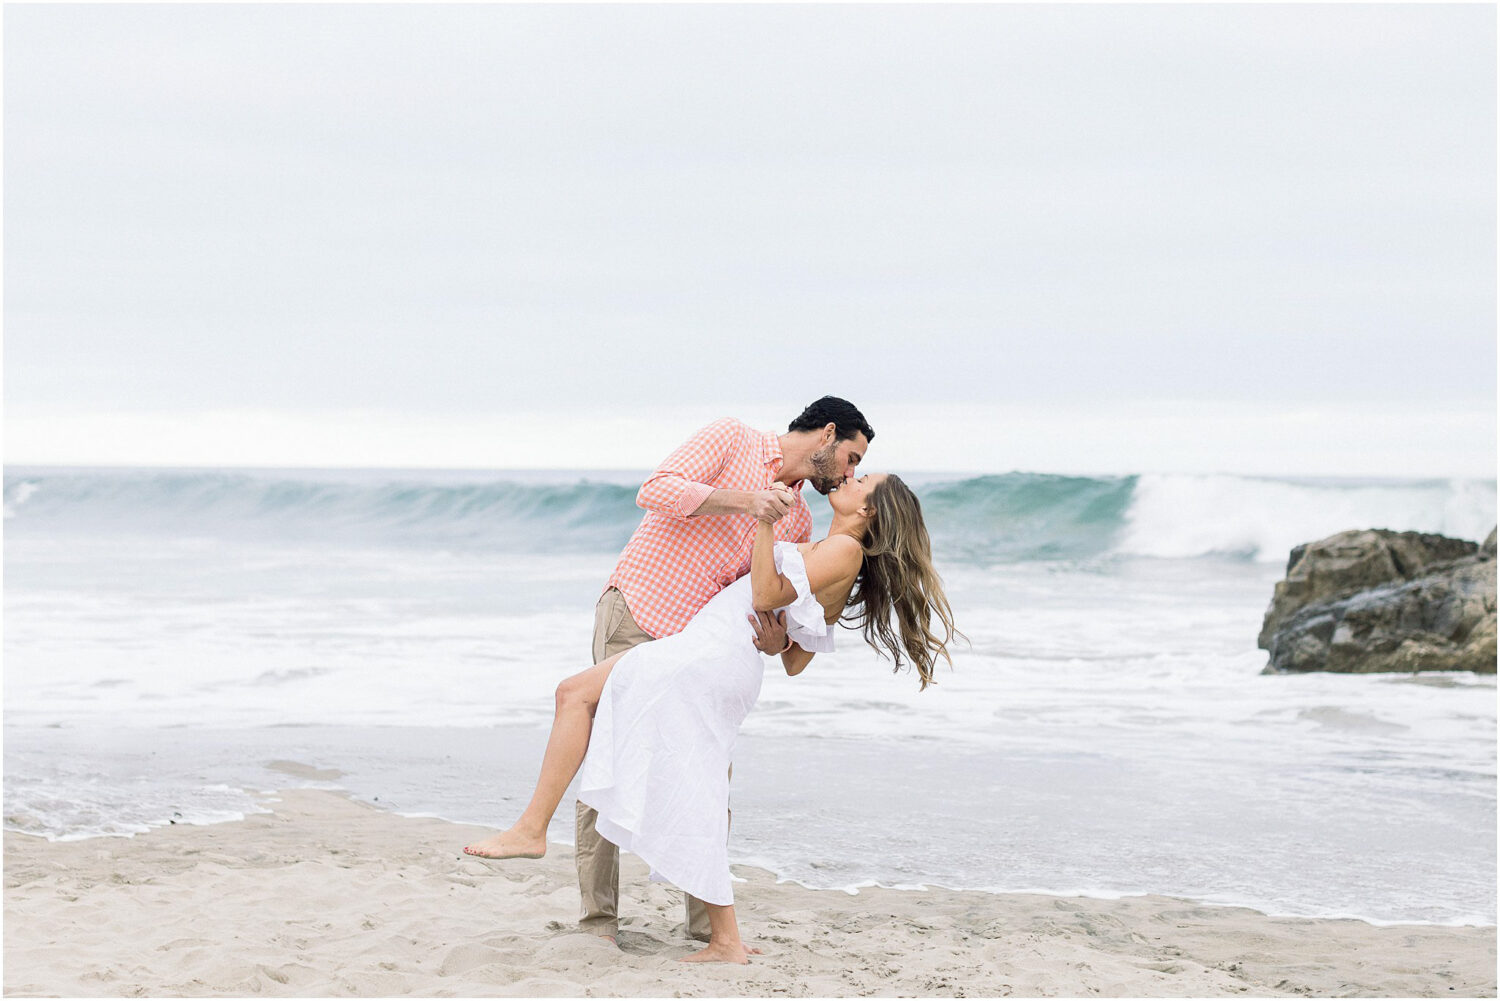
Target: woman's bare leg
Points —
{"points": [[572, 723], [724, 945]]}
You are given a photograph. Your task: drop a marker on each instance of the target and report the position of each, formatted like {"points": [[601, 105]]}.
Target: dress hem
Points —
{"points": [[622, 837]]}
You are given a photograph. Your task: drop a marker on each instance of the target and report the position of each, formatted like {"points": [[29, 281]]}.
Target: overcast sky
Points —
{"points": [[1065, 238]]}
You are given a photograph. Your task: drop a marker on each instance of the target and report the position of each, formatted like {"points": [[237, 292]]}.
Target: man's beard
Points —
{"points": [[825, 475]]}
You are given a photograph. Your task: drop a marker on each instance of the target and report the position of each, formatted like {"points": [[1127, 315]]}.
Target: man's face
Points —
{"points": [[835, 462]]}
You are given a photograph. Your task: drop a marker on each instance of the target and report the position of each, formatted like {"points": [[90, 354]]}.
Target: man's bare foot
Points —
{"points": [[509, 844], [714, 953]]}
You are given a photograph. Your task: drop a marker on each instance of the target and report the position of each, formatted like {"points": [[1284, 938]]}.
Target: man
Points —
{"points": [[702, 504]]}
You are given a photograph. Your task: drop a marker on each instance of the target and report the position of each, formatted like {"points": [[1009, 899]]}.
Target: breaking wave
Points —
{"points": [[1008, 517]]}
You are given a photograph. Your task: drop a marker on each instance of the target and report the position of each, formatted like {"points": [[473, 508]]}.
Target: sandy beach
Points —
{"points": [[329, 896]]}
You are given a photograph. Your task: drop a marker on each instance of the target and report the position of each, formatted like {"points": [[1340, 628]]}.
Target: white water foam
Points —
{"points": [[1178, 516], [22, 493]]}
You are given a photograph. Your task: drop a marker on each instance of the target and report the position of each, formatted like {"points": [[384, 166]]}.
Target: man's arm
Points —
{"points": [[750, 502], [680, 486]]}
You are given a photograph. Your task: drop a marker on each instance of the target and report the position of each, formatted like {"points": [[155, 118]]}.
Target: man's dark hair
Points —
{"points": [[845, 417]]}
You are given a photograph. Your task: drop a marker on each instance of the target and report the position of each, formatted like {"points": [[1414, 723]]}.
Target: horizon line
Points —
{"points": [[968, 473]]}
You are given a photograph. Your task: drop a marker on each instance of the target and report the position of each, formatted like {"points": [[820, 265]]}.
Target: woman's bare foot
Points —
{"points": [[509, 844], [716, 953]]}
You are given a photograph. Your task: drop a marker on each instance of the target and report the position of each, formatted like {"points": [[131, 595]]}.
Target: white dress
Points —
{"points": [[657, 767]]}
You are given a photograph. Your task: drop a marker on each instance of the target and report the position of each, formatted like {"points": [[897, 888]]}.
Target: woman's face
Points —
{"points": [[853, 494]]}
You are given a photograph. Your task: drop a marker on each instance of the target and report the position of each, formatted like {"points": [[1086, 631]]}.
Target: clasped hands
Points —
{"points": [[770, 506]]}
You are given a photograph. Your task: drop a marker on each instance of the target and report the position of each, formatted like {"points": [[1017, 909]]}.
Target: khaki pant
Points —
{"points": [[615, 631]]}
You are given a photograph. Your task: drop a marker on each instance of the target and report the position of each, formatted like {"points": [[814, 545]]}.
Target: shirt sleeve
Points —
{"points": [[683, 481], [804, 616]]}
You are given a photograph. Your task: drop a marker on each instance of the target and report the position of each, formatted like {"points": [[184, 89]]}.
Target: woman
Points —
{"points": [[655, 752]]}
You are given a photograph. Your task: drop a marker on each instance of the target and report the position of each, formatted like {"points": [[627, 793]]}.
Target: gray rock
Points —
{"points": [[1376, 600]]}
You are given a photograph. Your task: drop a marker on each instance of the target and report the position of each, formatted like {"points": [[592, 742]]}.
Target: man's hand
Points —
{"points": [[770, 631], [770, 506]]}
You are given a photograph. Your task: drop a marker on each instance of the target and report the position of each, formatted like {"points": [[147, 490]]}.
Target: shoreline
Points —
{"points": [[1151, 827], [329, 895], [765, 873]]}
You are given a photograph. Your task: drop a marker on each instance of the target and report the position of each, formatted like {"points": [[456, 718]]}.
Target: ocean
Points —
{"points": [[178, 639]]}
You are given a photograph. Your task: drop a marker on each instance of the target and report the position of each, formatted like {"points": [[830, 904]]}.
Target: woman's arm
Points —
{"points": [[836, 558], [795, 660], [768, 588]]}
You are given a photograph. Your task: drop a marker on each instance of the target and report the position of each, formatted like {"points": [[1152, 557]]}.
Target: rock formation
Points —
{"points": [[1377, 600]]}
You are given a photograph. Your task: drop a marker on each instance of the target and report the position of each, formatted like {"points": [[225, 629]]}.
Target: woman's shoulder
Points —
{"points": [[840, 549]]}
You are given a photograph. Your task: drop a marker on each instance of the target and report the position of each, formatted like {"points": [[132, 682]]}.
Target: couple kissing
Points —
{"points": [[720, 571]]}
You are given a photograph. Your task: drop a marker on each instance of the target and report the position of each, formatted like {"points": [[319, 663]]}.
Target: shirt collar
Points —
{"points": [[771, 449]]}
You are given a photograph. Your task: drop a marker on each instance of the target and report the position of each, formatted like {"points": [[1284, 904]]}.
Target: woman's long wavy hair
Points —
{"points": [[898, 582]]}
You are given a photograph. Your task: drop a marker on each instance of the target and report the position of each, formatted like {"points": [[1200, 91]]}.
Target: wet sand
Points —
{"points": [[329, 896]]}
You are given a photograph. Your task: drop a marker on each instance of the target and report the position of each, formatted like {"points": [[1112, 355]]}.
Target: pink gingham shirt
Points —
{"points": [[674, 563]]}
